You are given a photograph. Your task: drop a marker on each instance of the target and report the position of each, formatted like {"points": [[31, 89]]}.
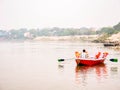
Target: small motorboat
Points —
{"points": [[89, 61]]}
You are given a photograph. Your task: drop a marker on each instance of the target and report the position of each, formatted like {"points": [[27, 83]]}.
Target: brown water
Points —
{"points": [[34, 66]]}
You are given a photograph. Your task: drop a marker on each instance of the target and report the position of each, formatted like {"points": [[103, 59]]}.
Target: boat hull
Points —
{"points": [[111, 44], [89, 62]]}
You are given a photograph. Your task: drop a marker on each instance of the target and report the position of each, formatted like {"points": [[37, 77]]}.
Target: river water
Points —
{"points": [[34, 66]]}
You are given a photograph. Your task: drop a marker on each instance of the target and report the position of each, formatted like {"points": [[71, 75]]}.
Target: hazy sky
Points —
{"points": [[15, 14]]}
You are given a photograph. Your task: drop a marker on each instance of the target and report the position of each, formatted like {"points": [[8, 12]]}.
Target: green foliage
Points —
{"points": [[109, 30], [55, 31], [106, 30], [17, 34], [117, 27]]}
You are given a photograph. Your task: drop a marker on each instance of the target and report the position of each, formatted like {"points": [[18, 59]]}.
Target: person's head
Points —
{"points": [[84, 50]]}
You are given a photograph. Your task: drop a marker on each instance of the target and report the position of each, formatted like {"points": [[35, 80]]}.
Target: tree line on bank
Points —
{"points": [[55, 31]]}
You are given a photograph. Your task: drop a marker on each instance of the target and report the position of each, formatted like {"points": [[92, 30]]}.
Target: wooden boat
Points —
{"points": [[89, 61], [111, 44]]}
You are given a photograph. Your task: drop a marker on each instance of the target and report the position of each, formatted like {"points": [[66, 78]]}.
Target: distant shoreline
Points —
{"points": [[67, 38]]}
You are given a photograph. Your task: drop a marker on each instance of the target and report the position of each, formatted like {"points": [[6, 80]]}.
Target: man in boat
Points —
{"points": [[84, 54]]}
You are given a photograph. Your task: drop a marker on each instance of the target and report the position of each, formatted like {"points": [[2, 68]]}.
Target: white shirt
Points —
{"points": [[83, 55]]}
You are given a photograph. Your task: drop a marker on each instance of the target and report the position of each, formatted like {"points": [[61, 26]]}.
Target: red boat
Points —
{"points": [[89, 61]]}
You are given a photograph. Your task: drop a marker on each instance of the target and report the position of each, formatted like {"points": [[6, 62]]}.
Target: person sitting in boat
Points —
{"points": [[84, 54], [77, 54], [105, 54], [97, 55]]}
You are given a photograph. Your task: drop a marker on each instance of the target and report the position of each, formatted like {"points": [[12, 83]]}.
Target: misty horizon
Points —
{"points": [[17, 14]]}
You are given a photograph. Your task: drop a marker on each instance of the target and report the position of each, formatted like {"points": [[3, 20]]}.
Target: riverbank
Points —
{"points": [[115, 40], [84, 38], [115, 37], [67, 38]]}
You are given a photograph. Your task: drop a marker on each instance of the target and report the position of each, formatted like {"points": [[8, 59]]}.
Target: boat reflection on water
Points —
{"points": [[61, 67], [83, 73], [114, 72]]}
